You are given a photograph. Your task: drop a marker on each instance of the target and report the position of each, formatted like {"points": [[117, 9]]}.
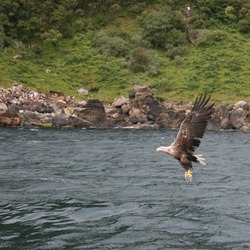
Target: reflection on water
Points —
{"points": [[109, 189]]}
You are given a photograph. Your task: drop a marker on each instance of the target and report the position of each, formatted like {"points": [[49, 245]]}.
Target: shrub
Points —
{"points": [[208, 37], [143, 60], [138, 41], [175, 51], [175, 38], [139, 60], [111, 45], [52, 36], [230, 13], [244, 25], [155, 26]]}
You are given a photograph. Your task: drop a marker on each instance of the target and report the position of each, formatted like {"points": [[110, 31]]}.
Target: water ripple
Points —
{"points": [[109, 189]]}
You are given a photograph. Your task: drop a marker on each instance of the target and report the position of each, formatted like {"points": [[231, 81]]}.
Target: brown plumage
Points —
{"points": [[191, 130]]}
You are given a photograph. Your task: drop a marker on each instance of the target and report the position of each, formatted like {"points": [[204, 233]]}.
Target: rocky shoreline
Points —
{"points": [[20, 107]]}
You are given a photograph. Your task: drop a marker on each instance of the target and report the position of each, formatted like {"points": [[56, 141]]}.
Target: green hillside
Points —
{"points": [[108, 51]]}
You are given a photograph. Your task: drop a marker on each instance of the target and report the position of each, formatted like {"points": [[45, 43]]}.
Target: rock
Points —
{"points": [[152, 107], [19, 106], [17, 90], [220, 118], [214, 124], [60, 121], [61, 103], [17, 56], [94, 113], [118, 103], [68, 99], [10, 119], [3, 107], [81, 104], [125, 109], [137, 116], [237, 117], [83, 91], [245, 127], [144, 101], [146, 126], [79, 122], [171, 118], [45, 118], [30, 116], [68, 111], [78, 110], [241, 105], [116, 117], [39, 107], [142, 91]]}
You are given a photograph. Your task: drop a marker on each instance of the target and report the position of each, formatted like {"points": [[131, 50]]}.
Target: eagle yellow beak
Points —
{"points": [[158, 150]]}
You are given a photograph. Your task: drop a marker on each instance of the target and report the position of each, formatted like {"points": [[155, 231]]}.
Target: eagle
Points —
{"points": [[188, 137]]}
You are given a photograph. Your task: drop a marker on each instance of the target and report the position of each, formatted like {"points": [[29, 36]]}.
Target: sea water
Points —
{"points": [[110, 189]]}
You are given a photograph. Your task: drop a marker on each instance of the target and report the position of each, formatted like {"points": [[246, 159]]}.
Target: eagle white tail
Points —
{"points": [[200, 160]]}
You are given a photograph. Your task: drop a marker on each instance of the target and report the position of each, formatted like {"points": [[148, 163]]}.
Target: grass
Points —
{"points": [[220, 68]]}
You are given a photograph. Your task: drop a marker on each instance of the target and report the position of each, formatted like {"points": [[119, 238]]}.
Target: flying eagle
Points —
{"points": [[187, 139]]}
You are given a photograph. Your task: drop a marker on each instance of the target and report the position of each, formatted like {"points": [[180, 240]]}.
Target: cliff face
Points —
{"points": [[19, 107]]}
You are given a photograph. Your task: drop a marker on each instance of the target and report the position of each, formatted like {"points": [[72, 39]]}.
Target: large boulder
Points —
{"points": [[116, 117], [93, 114], [142, 91], [238, 116], [31, 118], [220, 118], [171, 118], [118, 103], [145, 101], [60, 121], [137, 116], [10, 119]]}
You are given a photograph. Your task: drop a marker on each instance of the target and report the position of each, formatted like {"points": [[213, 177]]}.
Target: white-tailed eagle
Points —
{"points": [[187, 139]]}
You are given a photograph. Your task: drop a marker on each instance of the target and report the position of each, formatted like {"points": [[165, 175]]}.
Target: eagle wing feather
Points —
{"points": [[193, 127]]}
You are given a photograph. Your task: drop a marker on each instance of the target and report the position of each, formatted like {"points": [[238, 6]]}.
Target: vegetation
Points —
{"points": [[108, 46]]}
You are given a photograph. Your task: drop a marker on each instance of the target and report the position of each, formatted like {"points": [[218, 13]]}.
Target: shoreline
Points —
{"points": [[22, 108]]}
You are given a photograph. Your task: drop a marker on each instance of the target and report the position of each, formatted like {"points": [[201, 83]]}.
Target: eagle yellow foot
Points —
{"points": [[188, 174]]}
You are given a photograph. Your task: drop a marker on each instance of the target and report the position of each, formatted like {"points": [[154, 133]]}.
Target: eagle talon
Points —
{"points": [[188, 174]]}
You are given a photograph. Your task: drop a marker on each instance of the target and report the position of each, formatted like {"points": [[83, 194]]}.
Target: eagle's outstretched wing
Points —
{"points": [[194, 125]]}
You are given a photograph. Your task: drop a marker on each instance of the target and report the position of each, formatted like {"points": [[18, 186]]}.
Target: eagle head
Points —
{"points": [[164, 149]]}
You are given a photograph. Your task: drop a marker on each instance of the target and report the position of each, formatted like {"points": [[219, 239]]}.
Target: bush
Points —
{"points": [[111, 45], [175, 51], [138, 41], [230, 13], [139, 60], [208, 37], [143, 60], [175, 38], [52, 36], [155, 26], [244, 25]]}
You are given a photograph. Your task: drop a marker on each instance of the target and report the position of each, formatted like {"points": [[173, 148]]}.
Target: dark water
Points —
{"points": [[109, 189]]}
